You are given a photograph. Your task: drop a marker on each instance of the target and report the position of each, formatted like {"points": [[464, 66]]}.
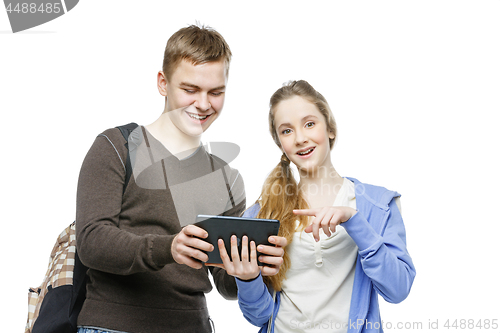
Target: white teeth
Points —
{"points": [[195, 116], [305, 152]]}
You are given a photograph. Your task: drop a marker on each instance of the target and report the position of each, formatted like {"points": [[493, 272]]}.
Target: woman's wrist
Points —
{"points": [[350, 213], [249, 280]]}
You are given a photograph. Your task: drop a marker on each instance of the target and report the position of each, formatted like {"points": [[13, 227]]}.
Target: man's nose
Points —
{"points": [[202, 103]]}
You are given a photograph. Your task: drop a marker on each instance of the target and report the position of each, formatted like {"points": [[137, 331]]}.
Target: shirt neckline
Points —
{"points": [[190, 159]]}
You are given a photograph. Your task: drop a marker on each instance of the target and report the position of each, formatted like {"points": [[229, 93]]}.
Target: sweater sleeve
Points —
{"points": [[384, 258], [101, 244], [225, 283]]}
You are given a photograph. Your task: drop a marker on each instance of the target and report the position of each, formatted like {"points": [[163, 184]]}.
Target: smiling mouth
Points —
{"points": [[197, 116], [305, 152]]}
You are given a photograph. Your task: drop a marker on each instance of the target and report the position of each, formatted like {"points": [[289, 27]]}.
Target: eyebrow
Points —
{"points": [[199, 88], [302, 120]]}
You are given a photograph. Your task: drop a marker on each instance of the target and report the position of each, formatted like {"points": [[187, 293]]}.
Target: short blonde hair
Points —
{"points": [[197, 44]]}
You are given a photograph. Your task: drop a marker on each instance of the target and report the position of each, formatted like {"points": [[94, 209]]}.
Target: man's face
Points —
{"points": [[195, 95]]}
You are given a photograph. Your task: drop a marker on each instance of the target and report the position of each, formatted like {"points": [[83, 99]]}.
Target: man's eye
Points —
{"points": [[218, 93], [189, 91]]}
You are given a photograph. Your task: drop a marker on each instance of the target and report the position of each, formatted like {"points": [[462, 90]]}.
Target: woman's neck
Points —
{"points": [[320, 186]]}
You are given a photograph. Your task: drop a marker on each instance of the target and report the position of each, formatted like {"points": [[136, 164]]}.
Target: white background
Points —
{"points": [[414, 86]]}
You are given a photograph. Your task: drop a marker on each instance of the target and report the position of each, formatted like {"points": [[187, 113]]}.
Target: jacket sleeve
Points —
{"points": [[254, 299], [384, 258], [101, 244]]}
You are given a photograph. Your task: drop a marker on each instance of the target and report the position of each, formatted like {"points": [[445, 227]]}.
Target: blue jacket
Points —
{"points": [[384, 266]]}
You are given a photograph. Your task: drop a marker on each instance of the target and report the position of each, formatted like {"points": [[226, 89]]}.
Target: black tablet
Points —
{"points": [[257, 230]]}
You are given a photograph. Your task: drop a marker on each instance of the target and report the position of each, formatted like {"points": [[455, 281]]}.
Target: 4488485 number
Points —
{"points": [[471, 324], [26, 8]]}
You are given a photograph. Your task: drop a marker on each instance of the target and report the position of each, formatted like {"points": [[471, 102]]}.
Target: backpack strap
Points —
{"points": [[228, 187], [126, 130]]}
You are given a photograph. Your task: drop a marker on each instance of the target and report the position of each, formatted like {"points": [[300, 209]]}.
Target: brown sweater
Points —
{"points": [[135, 285]]}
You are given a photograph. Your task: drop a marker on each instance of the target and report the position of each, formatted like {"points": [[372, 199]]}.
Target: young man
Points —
{"points": [[145, 257]]}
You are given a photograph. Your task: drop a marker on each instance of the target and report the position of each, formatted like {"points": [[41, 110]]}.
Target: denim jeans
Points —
{"points": [[103, 330], [95, 330]]}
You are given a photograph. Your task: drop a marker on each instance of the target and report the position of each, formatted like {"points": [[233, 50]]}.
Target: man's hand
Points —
{"points": [[187, 247], [272, 255]]}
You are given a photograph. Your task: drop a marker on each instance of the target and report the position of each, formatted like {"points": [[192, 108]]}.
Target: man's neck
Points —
{"points": [[178, 143]]}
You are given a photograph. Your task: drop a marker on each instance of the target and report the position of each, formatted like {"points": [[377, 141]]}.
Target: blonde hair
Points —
{"points": [[280, 192], [197, 44]]}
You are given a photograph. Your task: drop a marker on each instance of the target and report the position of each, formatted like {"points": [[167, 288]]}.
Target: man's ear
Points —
{"points": [[162, 83]]}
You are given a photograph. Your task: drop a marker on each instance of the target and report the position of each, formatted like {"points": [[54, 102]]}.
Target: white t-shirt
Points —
{"points": [[316, 293]]}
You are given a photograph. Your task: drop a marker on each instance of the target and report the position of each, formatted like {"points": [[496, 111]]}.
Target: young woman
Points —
{"points": [[346, 239]]}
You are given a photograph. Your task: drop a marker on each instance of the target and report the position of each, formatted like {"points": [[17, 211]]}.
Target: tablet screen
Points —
{"points": [[224, 227]]}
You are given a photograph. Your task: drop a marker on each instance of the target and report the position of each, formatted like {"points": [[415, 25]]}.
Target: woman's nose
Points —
{"points": [[300, 137]]}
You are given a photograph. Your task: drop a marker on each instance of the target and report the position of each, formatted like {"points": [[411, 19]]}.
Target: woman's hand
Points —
{"points": [[244, 269], [271, 255], [326, 218]]}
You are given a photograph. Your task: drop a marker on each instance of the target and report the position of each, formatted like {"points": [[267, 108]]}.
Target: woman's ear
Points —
{"points": [[162, 83], [331, 135]]}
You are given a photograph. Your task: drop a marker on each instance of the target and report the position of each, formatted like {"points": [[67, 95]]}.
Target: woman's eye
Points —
{"points": [[310, 124], [287, 131]]}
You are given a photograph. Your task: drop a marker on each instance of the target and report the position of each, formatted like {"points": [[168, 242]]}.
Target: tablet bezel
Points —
{"points": [[224, 227]]}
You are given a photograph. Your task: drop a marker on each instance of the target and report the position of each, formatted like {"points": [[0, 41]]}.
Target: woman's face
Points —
{"points": [[303, 134]]}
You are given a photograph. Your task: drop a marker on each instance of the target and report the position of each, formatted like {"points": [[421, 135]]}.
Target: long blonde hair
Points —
{"points": [[280, 193]]}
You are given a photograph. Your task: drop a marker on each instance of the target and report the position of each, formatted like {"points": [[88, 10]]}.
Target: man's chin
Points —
{"points": [[195, 130]]}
